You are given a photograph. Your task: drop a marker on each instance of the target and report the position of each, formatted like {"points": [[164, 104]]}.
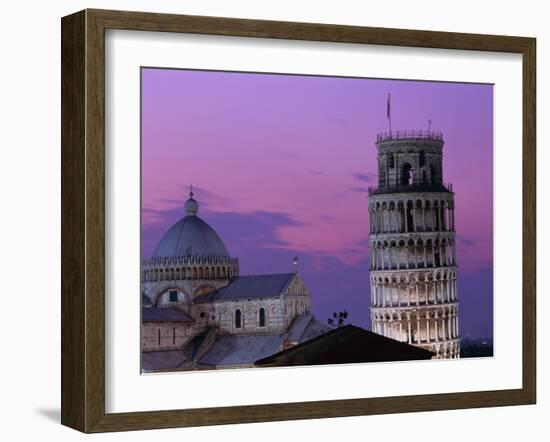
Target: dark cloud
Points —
{"points": [[365, 177]]}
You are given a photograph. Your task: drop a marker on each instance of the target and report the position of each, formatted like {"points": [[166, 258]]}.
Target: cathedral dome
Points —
{"points": [[191, 236]]}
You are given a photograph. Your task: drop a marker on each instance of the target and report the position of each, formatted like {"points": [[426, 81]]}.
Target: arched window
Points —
{"points": [[238, 320], [407, 175], [391, 161], [261, 317]]}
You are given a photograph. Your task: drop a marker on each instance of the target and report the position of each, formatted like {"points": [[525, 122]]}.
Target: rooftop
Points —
{"points": [[345, 345], [251, 286], [170, 314], [232, 350], [408, 135]]}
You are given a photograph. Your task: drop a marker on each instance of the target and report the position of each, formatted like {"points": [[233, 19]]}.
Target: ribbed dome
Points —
{"points": [[191, 236]]}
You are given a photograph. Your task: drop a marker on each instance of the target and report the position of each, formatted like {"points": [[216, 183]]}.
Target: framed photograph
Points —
{"points": [[270, 220]]}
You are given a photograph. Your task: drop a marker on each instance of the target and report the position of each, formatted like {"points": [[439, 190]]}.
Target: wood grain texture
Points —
{"points": [[83, 219], [73, 254]]}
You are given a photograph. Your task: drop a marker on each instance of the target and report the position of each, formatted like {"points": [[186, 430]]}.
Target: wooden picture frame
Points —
{"points": [[83, 220]]}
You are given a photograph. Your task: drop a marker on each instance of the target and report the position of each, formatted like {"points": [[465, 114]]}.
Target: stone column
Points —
{"points": [[456, 324], [409, 334], [398, 287], [370, 221], [436, 319], [428, 326], [427, 292]]}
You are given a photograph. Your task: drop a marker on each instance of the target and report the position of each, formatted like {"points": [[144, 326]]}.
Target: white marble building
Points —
{"points": [[412, 243], [198, 312]]}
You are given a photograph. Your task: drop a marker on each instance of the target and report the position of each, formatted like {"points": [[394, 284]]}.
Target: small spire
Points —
{"points": [[191, 205], [295, 264]]}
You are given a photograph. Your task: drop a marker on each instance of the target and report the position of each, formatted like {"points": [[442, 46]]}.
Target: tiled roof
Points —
{"points": [[251, 286], [162, 360], [154, 314], [235, 350], [306, 327]]}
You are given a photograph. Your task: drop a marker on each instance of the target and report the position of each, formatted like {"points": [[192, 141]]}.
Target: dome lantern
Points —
{"points": [[191, 205]]}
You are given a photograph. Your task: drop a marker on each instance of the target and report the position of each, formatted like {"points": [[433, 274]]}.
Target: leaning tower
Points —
{"points": [[412, 244]]}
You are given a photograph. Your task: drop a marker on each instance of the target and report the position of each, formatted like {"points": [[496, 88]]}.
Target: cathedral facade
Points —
{"points": [[198, 312], [412, 244]]}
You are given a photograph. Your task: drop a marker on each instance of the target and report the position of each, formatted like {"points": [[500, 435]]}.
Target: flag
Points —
{"points": [[388, 110]]}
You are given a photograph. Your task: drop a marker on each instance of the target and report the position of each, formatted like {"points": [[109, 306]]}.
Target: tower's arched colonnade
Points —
{"points": [[413, 269]]}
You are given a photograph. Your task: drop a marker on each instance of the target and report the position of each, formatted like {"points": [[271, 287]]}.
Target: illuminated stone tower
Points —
{"points": [[412, 244]]}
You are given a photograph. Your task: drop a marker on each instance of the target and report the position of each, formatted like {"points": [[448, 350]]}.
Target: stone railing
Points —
{"points": [[404, 188], [409, 134]]}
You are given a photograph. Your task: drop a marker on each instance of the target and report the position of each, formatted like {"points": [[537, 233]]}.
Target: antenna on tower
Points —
{"points": [[191, 190], [429, 125]]}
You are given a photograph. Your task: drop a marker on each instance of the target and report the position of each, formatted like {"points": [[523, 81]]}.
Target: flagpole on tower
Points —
{"points": [[388, 112]]}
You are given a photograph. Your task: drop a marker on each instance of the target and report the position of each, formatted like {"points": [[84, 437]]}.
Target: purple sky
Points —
{"points": [[280, 165]]}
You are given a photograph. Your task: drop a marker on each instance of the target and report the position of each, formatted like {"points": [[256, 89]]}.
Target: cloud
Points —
{"points": [[365, 177], [359, 189], [291, 155], [317, 172], [260, 229], [466, 242], [340, 120]]}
